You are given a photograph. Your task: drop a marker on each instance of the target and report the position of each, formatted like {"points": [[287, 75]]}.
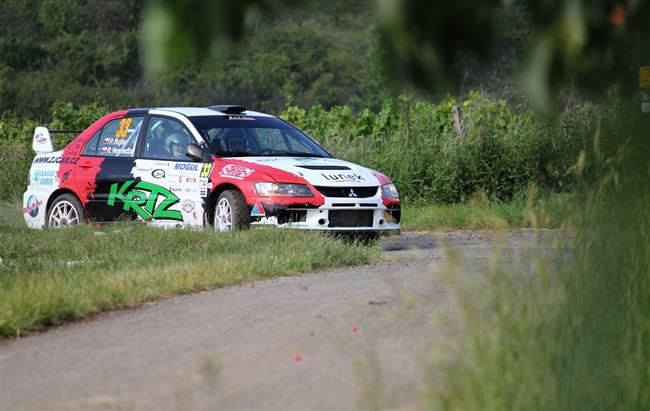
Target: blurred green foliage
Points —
{"points": [[572, 332], [82, 51], [592, 44]]}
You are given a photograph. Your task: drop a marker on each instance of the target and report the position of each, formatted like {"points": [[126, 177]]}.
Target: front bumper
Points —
{"points": [[338, 215]]}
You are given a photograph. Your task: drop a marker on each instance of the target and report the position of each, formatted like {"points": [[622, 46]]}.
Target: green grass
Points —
{"points": [[549, 211], [52, 276], [49, 277], [573, 332]]}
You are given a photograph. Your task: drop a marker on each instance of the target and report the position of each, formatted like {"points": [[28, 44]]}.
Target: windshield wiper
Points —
{"points": [[292, 154], [235, 154]]}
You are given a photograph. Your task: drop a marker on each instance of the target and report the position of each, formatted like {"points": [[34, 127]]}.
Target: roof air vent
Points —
{"points": [[228, 109]]}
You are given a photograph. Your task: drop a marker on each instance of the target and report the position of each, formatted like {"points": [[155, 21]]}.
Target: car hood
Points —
{"points": [[321, 171]]}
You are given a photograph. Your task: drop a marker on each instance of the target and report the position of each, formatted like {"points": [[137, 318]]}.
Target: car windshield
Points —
{"points": [[236, 136]]}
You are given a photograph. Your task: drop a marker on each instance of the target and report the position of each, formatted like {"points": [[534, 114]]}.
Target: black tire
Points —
{"points": [[238, 217], [65, 211]]}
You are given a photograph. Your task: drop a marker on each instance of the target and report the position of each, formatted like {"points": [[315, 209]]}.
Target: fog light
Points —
{"points": [[381, 221], [322, 221]]}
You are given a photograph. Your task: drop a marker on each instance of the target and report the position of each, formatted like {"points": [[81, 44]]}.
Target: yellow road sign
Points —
{"points": [[644, 77]]}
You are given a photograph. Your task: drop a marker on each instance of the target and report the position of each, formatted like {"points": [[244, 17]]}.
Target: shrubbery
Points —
{"points": [[16, 153], [416, 144]]}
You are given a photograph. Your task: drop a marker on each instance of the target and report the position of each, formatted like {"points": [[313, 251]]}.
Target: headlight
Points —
{"points": [[282, 190], [389, 190]]}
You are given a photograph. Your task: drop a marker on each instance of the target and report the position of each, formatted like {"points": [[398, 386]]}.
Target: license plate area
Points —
{"points": [[350, 218]]}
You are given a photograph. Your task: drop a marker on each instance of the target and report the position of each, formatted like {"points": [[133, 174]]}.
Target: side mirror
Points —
{"points": [[194, 152]]}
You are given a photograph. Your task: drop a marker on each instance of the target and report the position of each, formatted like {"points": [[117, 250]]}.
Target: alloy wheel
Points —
{"points": [[64, 214], [224, 215]]}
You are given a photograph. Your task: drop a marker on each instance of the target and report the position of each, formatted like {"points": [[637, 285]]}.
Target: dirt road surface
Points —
{"points": [[350, 338]]}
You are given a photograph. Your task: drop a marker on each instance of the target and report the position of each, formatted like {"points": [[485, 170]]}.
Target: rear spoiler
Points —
{"points": [[42, 142]]}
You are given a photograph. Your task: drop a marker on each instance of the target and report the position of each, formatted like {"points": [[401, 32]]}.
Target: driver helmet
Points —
{"points": [[236, 140], [176, 144]]}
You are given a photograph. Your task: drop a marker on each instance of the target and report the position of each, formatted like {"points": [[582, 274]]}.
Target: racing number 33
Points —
{"points": [[124, 128]]}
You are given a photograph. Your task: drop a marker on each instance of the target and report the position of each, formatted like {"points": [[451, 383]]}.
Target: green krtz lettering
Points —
{"points": [[141, 197]]}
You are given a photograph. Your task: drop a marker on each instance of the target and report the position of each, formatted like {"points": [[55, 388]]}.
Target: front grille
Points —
{"points": [[350, 218], [340, 192]]}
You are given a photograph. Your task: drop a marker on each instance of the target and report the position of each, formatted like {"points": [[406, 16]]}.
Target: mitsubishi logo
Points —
{"points": [[352, 193]]}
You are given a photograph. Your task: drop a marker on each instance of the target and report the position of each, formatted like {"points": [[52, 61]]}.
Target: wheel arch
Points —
{"points": [[214, 196], [56, 193]]}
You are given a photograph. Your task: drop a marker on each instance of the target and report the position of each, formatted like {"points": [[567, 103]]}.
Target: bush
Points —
{"points": [[416, 144], [16, 141], [15, 160]]}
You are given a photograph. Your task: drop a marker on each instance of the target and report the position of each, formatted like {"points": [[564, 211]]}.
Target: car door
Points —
{"points": [[105, 168], [178, 182]]}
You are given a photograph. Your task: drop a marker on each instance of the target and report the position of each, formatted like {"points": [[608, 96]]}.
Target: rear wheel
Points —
{"points": [[65, 211], [231, 212]]}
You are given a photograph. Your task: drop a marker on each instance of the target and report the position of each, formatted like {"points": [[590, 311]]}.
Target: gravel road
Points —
{"points": [[350, 338]]}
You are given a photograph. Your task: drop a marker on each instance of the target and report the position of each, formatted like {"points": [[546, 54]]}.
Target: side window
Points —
{"points": [[91, 146], [166, 139], [119, 136]]}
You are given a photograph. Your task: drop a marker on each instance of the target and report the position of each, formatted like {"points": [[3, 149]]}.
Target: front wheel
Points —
{"points": [[231, 212], [65, 211]]}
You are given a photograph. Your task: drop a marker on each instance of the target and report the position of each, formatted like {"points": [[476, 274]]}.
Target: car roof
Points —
{"points": [[206, 111]]}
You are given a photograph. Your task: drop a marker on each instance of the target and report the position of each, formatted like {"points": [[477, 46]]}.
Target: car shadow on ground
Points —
{"points": [[408, 242]]}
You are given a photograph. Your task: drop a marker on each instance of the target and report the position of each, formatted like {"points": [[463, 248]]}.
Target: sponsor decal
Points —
{"points": [[146, 199], [33, 204], [343, 178], [45, 177], [205, 170], [158, 173], [188, 206], [258, 210], [241, 118], [113, 141], [124, 128], [56, 160], [121, 151], [204, 186], [269, 220], [186, 166], [40, 139], [236, 171], [117, 151], [190, 180]]}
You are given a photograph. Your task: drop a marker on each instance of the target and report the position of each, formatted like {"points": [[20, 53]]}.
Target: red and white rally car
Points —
{"points": [[221, 166]]}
